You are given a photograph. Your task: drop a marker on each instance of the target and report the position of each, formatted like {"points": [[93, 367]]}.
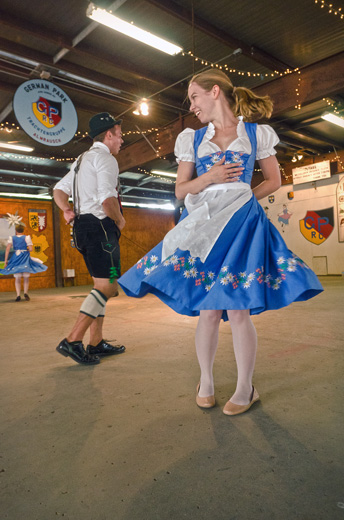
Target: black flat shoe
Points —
{"points": [[27, 297], [77, 353], [104, 349], [18, 299]]}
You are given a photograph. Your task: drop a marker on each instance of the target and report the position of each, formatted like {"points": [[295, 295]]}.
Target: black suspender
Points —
{"points": [[76, 197]]}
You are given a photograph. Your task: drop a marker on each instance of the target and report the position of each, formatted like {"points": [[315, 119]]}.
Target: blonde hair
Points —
{"points": [[242, 101]]}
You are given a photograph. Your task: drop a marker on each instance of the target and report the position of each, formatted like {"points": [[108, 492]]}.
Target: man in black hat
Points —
{"points": [[97, 223]]}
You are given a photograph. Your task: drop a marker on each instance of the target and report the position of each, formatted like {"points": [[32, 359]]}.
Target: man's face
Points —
{"points": [[115, 139]]}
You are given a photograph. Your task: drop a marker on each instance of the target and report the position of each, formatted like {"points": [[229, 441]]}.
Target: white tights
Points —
{"points": [[17, 282], [245, 348]]}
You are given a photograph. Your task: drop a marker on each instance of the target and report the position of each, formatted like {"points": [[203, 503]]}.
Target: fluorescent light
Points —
{"points": [[108, 19], [24, 196], [166, 207], [167, 174], [332, 118], [16, 147]]}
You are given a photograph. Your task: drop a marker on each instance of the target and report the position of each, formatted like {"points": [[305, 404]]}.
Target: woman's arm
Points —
{"points": [[272, 177], [218, 174], [7, 252]]}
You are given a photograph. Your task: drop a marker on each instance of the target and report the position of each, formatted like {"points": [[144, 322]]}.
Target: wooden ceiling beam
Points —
{"points": [[64, 66], [83, 50], [281, 90], [322, 79], [256, 54], [170, 105]]}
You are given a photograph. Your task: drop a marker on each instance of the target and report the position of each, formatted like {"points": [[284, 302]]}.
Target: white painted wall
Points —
{"points": [[328, 256]]}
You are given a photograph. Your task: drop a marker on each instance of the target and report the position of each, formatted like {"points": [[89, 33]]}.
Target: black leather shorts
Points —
{"points": [[98, 241]]}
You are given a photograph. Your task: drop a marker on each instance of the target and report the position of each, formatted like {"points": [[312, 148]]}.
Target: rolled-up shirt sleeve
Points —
{"points": [[267, 139], [184, 147], [107, 177], [66, 183]]}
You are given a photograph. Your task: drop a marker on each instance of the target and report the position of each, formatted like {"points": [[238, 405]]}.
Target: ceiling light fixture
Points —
{"points": [[332, 118], [294, 158], [167, 174], [102, 16], [16, 147], [142, 108]]}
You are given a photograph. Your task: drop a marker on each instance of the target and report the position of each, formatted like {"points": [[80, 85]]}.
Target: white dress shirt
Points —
{"points": [[96, 180]]}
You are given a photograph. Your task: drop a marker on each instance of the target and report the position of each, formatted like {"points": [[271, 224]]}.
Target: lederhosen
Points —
{"points": [[96, 239]]}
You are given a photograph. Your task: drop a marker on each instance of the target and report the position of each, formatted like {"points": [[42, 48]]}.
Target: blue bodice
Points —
{"points": [[19, 243], [203, 164]]}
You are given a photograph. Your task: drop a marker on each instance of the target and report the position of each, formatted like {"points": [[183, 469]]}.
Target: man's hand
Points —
{"points": [[69, 215], [61, 199], [120, 223], [112, 210]]}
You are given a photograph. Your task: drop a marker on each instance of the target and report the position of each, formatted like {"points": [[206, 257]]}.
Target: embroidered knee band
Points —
{"points": [[94, 304]]}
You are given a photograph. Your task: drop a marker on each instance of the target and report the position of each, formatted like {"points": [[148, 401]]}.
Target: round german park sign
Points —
{"points": [[45, 112]]}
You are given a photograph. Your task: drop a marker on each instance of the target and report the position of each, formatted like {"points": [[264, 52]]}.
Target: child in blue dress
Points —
{"points": [[21, 264], [224, 259]]}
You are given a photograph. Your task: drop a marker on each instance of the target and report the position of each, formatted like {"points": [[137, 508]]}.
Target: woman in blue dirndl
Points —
{"points": [[224, 259], [21, 264]]}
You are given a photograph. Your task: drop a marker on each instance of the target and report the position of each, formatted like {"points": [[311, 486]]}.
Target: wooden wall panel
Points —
{"points": [[22, 206], [144, 229], [71, 258]]}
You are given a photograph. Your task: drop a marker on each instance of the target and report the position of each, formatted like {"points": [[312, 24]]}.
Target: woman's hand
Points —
{"points": [[221, 173]]}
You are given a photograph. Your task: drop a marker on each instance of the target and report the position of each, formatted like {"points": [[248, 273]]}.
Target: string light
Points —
{"points": [[9, 127], [332, 104], [150, 174], [283, 172], [132, 132], [232, 70], [331, 9], [297, 90]]}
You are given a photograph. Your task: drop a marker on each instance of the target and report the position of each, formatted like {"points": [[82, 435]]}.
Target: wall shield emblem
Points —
{"points": [[38, 219], [317, 225]]}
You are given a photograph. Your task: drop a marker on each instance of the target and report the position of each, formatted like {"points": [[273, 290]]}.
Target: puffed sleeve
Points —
{"points": [[28, 240], [184, 147], [266, 140], [10, 241]]}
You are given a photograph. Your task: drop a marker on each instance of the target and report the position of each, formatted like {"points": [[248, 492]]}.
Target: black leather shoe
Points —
{"points": [[27, 297], [18, 299], [104, 349], [77, 353]]}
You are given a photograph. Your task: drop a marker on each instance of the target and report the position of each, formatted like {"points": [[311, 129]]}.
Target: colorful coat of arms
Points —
{"points": [[317, 225], [38, 219], [48, 112]]}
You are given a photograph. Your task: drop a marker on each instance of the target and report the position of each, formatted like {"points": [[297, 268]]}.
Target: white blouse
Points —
{"points": [[27, 240], [266, 140]]}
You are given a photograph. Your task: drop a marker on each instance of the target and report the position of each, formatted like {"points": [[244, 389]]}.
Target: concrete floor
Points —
{"points": [[124, 440]]}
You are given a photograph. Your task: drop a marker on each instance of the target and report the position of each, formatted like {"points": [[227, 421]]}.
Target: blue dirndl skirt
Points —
{"points": [[249, 267], [23, 263]]}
